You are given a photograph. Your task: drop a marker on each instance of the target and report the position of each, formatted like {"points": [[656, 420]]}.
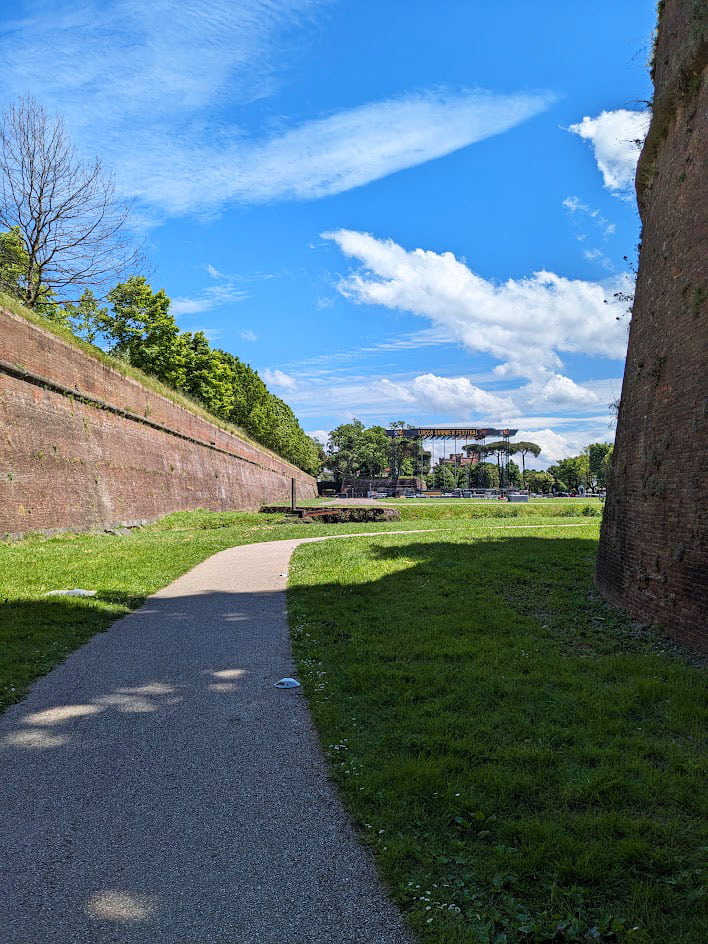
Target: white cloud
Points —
{"points": [[616, 138], [553, 446], [145, 61], [325, 156], [576, 206], [457, 396], [212, 297], [523, 323], [190, 306], [278, 378], [560, 392], [163, 90], [248, 335], [598, 256], [214, 273], [321, 435]]}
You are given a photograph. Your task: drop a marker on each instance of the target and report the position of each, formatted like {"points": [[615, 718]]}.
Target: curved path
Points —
{"points": [[156, 788]]}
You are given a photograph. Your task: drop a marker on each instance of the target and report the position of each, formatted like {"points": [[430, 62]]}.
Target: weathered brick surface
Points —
{"points": [[653, 559], [67, 464]]}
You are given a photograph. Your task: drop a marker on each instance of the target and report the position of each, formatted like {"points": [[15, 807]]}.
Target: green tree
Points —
{"points": [[606, 465], [502, 450], [513, 474], [484, 475], [344, 449], [540, 482], [523, 449], [143, 331], [14, 263], [444, 476], [84, 316], [373, 451], [596, 453], [402, 449]]}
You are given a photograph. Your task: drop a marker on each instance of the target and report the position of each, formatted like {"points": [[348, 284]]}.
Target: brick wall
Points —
{"points": [[94, 448], [652, 558]]}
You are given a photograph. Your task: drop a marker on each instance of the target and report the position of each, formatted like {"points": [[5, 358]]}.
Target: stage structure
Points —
{"points": [[462, 434]]}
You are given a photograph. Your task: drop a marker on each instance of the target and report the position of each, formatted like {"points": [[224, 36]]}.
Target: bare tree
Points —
{"points": [[65, 209]]}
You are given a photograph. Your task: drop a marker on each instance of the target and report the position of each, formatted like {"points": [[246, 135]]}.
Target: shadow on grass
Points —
{"points": [[516, 742], [506, 738]]}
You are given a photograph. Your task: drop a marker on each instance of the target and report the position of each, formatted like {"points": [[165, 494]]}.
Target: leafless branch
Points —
{"points": [[66, 209]]}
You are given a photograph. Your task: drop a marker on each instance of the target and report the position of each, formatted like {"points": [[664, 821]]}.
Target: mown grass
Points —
{"points": [[37, 632], [524, 762]]}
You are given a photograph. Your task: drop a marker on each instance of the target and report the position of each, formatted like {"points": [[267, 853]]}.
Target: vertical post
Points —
{"points": [[293, 495]]}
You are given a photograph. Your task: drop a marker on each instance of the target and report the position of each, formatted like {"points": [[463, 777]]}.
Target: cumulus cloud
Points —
{"points": [[458, 395], [553, 446], [523, 323], [453, 396], [248, 335], [559, 392], [321, 435], [278, 378], [616, 138]]}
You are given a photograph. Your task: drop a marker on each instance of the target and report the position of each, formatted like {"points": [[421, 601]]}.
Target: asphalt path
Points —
{"points": [[157, 789]]}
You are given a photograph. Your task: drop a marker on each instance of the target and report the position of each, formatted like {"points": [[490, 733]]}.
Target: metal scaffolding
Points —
{"points": [[466, 434]]}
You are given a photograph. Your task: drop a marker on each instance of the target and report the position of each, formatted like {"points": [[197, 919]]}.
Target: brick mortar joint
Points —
{"points": [[33, 328], [37, 380]]}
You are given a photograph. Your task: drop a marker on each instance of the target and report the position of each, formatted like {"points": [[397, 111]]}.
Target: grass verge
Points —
{"points": [[37, 631], [524, 762]]}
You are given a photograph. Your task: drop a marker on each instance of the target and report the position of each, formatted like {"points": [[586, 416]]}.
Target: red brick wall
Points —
{"points": [[653, 559], [67, 463]]}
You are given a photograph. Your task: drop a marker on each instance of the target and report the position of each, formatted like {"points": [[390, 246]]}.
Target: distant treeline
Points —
{"points": [[136, 326]]}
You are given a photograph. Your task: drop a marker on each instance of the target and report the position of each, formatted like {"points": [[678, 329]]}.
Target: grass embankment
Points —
{"points": [[37, 632], [525, 764], [116, 363]]}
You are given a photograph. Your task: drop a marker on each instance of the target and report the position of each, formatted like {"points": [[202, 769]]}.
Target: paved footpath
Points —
{"points": [[156, 788]]}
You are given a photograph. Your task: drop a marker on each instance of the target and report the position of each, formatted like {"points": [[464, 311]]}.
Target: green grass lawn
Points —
{"points": [[37, 632], [525, 764]]}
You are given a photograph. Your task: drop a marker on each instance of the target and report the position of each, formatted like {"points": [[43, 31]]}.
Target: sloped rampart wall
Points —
{"points": [[82, 446]]}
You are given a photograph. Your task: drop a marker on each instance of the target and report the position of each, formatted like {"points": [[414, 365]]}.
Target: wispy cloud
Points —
{"points": [[212, 297], [576, 207], [598, 256], [523, 323], [616, 138], [163, 90], [144, 62], [249, 335], [325, 156]]}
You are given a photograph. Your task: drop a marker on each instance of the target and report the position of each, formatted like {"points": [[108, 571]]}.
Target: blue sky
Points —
{"points": [[393, 210]]}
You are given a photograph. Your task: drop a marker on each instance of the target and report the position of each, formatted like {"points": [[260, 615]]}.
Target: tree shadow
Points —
{"points": [[155, 783]]}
